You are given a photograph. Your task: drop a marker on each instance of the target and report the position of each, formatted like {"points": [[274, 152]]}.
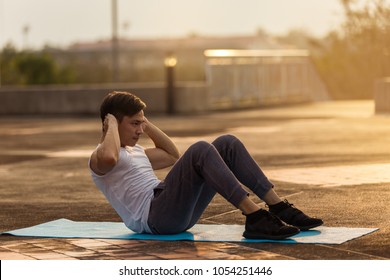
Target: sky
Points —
{"points": [[35, 23]]}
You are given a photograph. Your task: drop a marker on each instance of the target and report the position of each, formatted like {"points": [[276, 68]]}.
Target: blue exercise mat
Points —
{"points": [[64, 228]]}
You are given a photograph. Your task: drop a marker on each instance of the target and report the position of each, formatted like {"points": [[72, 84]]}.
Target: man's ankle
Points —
{"points": [[275, 208], [253, 217]]}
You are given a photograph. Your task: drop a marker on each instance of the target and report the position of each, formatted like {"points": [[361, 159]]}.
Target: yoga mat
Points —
{"points": [[64, 228]]}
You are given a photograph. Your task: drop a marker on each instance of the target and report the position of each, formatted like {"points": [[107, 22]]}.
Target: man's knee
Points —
{"points": [[199, 150], [226, 140], [200, 146]]}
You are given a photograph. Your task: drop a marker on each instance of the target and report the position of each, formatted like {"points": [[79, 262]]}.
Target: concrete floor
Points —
{"points": [[330, 159]]}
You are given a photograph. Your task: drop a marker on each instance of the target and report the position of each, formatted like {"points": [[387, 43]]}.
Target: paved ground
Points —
{"points": [[330, 159]]}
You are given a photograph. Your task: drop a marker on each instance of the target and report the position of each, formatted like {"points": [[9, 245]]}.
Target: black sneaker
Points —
{"points": [[264, 225], [293, 216]]}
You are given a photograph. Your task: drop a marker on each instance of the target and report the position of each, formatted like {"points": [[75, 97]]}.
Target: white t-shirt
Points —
{"points": [[129, 187]]}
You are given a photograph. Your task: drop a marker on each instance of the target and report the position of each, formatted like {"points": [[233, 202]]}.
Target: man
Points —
{"points": [[123, 171]]}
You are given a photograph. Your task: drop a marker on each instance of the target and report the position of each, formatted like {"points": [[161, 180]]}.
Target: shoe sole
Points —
{"points": [[266, 236], [310, 227]]}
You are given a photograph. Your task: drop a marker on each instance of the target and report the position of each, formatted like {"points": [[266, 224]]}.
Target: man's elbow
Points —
{"points": [[107, 161]]}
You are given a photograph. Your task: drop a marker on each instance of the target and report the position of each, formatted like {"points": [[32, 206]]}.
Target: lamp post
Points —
{"points": [[25, 30], [115, 42], [170, 63]]}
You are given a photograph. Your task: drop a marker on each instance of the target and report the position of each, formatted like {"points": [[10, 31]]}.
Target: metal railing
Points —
{"points": [[245, 78]]}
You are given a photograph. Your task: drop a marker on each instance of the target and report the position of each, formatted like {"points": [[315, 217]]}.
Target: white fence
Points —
{"points": [[246, 78]]}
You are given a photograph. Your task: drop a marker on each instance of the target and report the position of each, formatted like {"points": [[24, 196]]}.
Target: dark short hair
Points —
{"points": [[120, 104]]}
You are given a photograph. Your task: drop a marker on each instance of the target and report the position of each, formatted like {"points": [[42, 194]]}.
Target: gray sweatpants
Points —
{"points": [[204, 170]]}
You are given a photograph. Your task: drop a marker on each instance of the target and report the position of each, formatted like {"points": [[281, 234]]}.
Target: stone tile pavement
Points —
{"points": [[103, 249]]}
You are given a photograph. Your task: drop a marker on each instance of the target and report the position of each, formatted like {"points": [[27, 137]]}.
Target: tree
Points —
{"points": [[36, 69], [9, 70], [32, 68], [351, 60]]}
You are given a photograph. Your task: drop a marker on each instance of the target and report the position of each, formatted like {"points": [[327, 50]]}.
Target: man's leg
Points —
{"points": [[244, 167], [190, 186]]}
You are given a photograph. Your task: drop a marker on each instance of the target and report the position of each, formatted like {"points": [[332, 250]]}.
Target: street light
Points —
{"points": [[25, 30], [170, 62], [115, 42]]}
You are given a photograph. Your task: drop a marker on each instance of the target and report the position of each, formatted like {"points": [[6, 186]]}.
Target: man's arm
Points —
{"points": [[165, 152], [105, 157]]}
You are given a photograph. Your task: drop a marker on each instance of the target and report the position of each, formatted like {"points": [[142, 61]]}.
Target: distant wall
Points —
{"points": [[382, 96], [85, 100]]}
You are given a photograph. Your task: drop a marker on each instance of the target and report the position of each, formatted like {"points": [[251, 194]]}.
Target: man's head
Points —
{"points": [[120, 104], [128, 110]]}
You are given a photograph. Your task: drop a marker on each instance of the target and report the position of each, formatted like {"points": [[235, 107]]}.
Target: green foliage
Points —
{"points": [[32, 68], [36, 69], [9, 70], [351, 60]]}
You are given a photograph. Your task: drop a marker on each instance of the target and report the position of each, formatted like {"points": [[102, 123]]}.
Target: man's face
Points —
{"points": [[131, 128]]}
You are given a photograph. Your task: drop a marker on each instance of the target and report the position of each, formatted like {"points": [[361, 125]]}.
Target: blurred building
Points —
{"points": [[141, 60]]}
